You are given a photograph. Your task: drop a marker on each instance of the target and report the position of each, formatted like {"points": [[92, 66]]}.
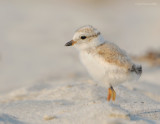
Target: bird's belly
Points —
{"points": [[102, 71], [92, 64]]}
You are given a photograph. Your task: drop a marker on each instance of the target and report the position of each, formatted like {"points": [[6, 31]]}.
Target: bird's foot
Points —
{"points": [[111, 94]]}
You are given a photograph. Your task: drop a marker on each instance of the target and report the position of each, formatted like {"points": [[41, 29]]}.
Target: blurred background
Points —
{"points": [[33, 34]]}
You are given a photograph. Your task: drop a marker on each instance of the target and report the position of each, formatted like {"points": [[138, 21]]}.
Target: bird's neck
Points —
{"points": [[100, 40]]}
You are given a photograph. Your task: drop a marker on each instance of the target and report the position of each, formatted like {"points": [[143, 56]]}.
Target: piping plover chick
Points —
{"points": [[104, 60]]}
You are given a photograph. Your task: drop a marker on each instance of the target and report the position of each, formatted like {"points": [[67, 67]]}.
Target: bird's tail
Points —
{"points": [[137, 69]]}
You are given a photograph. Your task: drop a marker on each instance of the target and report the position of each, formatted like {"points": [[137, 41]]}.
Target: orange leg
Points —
{"points": [[111, 94]]}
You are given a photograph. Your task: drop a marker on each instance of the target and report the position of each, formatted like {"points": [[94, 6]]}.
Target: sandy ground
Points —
{"points": [[41, 81], [80, 100]]}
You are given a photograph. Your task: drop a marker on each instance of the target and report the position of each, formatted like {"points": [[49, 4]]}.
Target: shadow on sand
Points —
{"points": [[9, 119]]}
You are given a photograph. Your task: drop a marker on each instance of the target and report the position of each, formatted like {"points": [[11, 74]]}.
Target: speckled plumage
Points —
{"points": [[113, 55]]}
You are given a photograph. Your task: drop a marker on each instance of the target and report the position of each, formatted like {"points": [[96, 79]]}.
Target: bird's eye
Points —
{"points": [[83, 37]]}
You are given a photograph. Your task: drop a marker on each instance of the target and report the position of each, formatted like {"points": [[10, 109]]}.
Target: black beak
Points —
{"points": [[69, 43]]}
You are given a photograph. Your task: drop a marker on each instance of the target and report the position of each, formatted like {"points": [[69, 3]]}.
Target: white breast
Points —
{"points": [[92, 63], [102, 71]]}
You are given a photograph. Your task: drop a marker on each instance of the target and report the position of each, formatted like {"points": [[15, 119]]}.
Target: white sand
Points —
{"points": [[41, 81]]}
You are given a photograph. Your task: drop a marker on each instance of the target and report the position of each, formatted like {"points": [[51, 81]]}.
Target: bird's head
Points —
{"points": [[86, 37]]}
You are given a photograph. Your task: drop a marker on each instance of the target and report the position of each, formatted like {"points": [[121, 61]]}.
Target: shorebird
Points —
{"points": [[104, 60]]}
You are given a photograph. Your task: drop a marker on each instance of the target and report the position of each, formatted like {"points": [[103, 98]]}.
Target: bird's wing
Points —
{"points": [[111, 53]]}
